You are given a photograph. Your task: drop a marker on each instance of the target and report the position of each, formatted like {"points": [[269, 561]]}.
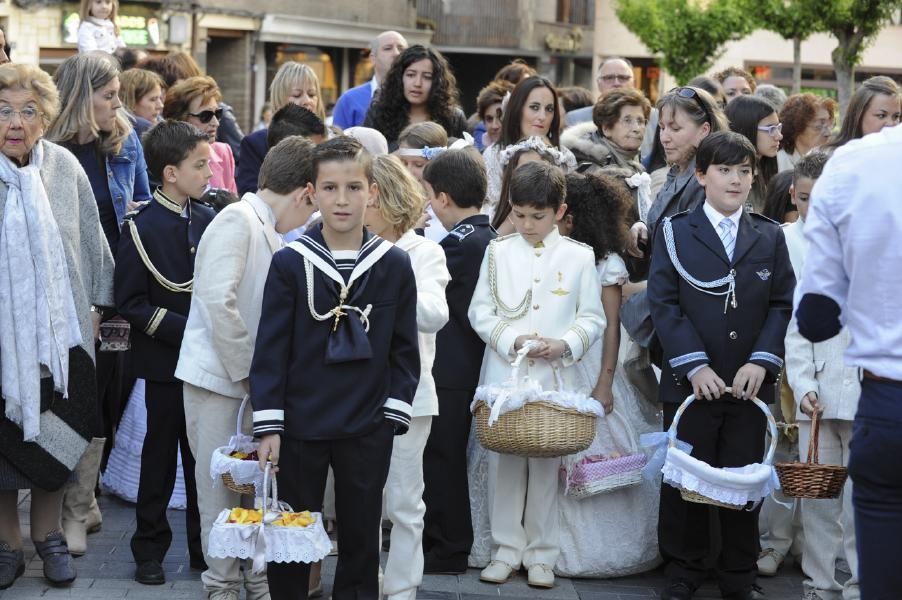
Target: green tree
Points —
{"points": [[793, 20], [688, 34], [854, 24]]}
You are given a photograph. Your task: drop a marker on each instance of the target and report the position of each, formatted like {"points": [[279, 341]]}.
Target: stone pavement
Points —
{"points": [[106, 571]]}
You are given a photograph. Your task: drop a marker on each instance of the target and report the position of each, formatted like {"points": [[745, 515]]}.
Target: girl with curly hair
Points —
{"points": [[736, 82], [419, 87], [807, 122]]}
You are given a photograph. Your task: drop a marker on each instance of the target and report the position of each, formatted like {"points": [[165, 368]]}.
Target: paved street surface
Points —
{"points": [[106, 571]]}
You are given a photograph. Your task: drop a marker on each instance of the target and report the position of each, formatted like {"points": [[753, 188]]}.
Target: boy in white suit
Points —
{"points": [[533, 285], [215, 360], [821, 382]]}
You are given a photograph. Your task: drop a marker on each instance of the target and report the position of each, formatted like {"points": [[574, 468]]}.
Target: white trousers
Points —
{"points": [[523, 495], [779, 525], [829, 524], [405, 508], [211, 420]]}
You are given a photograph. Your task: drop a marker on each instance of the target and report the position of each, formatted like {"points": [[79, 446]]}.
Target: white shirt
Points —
{"points": [[716, 217], [854, 225]]}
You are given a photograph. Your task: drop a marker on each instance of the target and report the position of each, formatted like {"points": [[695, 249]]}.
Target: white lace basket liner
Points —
{"points": [[242, 472], [739, 487], [592, 474], [265, 542], [519, 390]]}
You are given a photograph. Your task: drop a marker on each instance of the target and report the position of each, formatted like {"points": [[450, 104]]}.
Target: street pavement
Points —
{"points": [[106, 573]]}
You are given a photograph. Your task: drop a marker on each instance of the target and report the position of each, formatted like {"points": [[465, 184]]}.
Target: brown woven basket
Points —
{"points": [[247, 489], [690, 496], [537, 430], [811, 479]]}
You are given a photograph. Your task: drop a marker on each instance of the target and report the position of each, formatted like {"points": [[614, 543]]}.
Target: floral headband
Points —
{"points": [[539, 145], [430, 152]]}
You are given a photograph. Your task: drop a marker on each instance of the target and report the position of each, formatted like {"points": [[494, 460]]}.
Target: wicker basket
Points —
{"points": [[536, 430], [247, 489], [600, 474], [698, 498], [811, 479], [222, 456]]}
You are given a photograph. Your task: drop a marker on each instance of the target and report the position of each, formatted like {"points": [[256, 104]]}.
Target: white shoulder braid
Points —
{"points": [[703, 286]]}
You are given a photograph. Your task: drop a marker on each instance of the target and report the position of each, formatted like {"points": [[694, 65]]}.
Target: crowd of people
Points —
{"points": [[359, 275]]}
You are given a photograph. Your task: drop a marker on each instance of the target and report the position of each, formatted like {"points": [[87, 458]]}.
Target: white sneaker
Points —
{"points": [[769, 562], [496, 572], [540, 576]]}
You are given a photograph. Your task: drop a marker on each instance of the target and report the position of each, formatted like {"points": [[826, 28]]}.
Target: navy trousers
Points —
{"points": [[877, 491]]}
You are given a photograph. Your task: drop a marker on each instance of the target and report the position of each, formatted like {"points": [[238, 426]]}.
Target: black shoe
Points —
{"points": [[150, 572], [444, 566], [198, 564], [753, 592], [12, 565], [678, 590], [54, 551]]}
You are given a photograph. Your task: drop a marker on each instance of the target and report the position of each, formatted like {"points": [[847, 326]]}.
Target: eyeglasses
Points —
{"points": [[629, 121], [205, 116], [688, 92], [612, 78], [823, 125], [771, 129], [27, 114]]}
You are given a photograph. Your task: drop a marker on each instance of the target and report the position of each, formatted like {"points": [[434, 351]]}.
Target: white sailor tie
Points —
{"points": [[727, 237]]}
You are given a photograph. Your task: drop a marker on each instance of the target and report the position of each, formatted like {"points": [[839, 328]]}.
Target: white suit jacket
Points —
{"points": [[550, 290], [820, 367], [230, 271], [431, 273]]}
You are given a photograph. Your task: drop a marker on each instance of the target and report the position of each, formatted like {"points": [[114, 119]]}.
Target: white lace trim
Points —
{"points": [[732, 485], [281, 544]]}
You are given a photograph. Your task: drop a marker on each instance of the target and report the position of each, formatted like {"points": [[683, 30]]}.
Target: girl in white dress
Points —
{"points": [[612, 534]]}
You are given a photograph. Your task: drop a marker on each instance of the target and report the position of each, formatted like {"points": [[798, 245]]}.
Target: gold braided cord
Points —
{"points": [[506, 311], [178, 288]]}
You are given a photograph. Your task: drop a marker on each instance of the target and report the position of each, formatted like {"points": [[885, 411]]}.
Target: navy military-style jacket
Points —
{"points": [[459, 349], [156, 311], [324, 373], [693, 328]]}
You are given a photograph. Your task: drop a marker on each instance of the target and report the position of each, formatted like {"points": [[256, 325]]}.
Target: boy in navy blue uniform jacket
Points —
{"points": [[153, 280], [720, 290], [455, 184], [335, 368]]}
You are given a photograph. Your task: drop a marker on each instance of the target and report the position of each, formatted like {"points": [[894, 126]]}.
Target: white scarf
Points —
{"points": [[38, 320]]}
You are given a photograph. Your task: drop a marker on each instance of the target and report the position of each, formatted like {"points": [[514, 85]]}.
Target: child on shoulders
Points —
{"points": [[98, 29]]}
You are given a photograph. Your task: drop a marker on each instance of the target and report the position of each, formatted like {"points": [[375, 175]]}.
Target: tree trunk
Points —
{"points": [[845, 78], [796, 65]]}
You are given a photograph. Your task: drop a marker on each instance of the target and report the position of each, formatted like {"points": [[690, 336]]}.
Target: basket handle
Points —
{"points": [[813, 439], [771, 424], [633, 445], [244, 402]]}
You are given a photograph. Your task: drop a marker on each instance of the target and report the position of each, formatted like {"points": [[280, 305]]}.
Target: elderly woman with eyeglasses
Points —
{"points": [[56, 272], [807, 124], [195, 100]]}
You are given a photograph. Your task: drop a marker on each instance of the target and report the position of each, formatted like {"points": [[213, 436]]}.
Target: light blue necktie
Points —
{"points": [[727, 237]]}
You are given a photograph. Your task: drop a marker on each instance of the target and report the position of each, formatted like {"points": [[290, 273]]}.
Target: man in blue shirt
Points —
{"points": [[351, 107], [851, 278]]}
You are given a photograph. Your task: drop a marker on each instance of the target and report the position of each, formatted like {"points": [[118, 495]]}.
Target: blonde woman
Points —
{"points": [[294, 83], [142, 93], [55, 267], [392, 216]]}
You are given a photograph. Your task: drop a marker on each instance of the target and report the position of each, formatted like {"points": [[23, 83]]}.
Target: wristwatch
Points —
{"points": [[568, 353]]}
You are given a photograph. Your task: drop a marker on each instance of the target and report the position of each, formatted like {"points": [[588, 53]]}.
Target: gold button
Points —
{"points": [[733, 335], [538, 254], [536, 280], [532, 363], [535, 307]]}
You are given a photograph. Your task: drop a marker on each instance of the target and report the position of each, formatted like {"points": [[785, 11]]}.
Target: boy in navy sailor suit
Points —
{"points": [[335, 368], [455, 183], [153, 281], [713, 336]]}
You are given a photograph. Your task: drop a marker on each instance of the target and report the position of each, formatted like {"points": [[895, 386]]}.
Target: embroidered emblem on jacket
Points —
{"points": [[764, 274], [560, 291]]}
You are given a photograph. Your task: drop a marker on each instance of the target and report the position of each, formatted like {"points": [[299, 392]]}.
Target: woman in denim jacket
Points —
{"points": [[93, 127]]}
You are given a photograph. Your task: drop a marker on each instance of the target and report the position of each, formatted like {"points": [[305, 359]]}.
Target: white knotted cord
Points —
{"points": [[703, 286]]}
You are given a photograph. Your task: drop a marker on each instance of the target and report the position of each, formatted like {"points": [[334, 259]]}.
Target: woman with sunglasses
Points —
{"points": [[196, 101], [755, 118], [687, 116], [807, 122]]}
